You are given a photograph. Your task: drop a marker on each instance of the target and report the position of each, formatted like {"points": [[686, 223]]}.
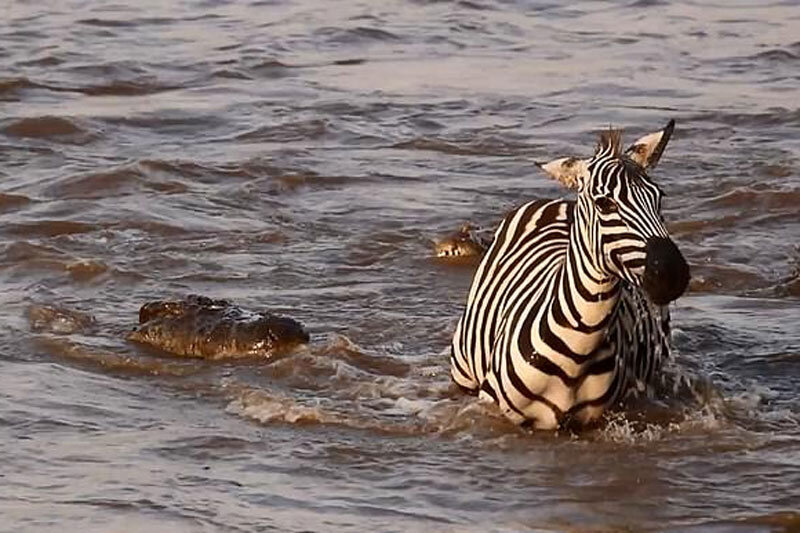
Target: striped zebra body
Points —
{"points": [[548, 333]]}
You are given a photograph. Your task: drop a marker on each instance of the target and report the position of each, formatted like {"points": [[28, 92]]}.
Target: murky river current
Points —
{"points": [[300, 156]]}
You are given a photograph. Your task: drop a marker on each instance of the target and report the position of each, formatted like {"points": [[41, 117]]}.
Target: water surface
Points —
{"points": [[300, 156]]}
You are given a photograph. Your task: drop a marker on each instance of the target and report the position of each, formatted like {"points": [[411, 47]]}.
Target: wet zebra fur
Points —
{"points": [[567, 312]]}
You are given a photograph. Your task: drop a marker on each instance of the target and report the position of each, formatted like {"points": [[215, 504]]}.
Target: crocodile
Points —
{"points": [[195, 326], [468, 242]]}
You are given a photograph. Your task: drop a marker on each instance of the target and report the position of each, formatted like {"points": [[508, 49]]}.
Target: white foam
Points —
{"points": [[264, 408]]}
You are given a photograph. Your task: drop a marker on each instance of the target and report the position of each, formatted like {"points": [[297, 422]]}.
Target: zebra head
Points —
{"points": [[618, 213]]}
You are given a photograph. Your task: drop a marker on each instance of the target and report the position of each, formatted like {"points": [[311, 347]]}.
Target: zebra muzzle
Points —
{"points": [[666, 273]]}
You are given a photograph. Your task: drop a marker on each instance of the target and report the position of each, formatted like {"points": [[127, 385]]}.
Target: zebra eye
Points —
{"points": [[606, 205]]}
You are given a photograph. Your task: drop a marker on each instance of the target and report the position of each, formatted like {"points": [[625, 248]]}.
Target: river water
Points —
{"points": [[300, 156]]}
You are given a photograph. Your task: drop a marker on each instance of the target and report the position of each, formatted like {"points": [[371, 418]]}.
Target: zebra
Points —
{"points": [[567, 313]]}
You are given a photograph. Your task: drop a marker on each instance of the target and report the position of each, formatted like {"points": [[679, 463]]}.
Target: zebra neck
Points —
{"points": [[586, 297]]}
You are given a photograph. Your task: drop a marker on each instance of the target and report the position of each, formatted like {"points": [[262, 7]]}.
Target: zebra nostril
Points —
{"points": [[666, 273]]}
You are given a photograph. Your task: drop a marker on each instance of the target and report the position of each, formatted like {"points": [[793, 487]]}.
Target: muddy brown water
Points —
{"points": [[300, 156]]}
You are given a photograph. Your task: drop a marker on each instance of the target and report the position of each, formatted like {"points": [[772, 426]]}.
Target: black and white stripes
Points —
{"points": [[557, 326]]}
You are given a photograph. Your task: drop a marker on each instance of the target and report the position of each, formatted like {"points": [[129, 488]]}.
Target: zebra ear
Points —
{"points": [[570, 171], [647, 150]]}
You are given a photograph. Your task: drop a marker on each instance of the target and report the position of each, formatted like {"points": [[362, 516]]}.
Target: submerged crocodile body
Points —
{"points": [[198, 326]]}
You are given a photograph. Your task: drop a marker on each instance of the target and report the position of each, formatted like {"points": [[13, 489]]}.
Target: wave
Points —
{"points": [[127, 23], [715, 278], [61, 129], [172, 177], [60, 320], [49, 228], [786, 521], [777, 116], [749, 198], [489, 146], [23, 257], [357, 35], [107, 362], [11, 87], [779, 55], [400, 416], [10, 202], [262, 175], [115, 78], [288, 132], [97, 184], [124, 88]]}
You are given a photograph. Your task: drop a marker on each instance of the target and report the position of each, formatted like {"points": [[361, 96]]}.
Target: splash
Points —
{"points": [[263, 407], [60, 320]]}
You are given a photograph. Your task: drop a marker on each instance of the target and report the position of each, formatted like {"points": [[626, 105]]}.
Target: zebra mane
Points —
{"points": [[610, 141]]}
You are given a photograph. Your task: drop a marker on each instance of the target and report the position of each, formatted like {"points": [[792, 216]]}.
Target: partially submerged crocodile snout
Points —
{"points": [[469, 241], [198, 326]]}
